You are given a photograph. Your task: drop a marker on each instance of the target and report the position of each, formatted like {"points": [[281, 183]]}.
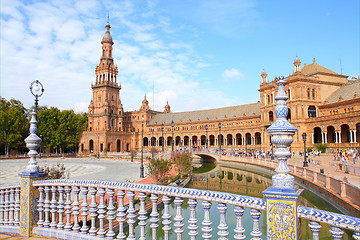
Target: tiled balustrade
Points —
{"points": [[79, 209]]}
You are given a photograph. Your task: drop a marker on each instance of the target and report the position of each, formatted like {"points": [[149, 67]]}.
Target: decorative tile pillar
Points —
{"points": [[29, 194], [283, 196]]}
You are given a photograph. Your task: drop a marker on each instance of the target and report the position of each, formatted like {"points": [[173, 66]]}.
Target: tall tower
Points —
{"points": [[105, 109]]}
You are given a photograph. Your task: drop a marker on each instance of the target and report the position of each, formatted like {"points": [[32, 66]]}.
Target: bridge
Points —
{"points": [[208, 156]]}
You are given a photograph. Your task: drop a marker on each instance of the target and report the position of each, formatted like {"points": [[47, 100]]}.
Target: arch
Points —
{"points": [[202, 140], [145, 141], [229, 139], [248, 139], [238, 139], [345, 133], [331, 138], [177, 141], [288, 117], [118, 148], [168, 141], [317, 135], [194, 140], [311, 111], [211, 140], [271, 116], [153, 141], [91, 145], [257, 138], [161, 141]]}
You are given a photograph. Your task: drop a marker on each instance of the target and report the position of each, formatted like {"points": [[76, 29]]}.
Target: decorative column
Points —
{"points": [[283, 196], [29, 194]]}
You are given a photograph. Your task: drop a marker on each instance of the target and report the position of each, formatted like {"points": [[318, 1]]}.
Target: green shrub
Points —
{"points": [[321, 147]]}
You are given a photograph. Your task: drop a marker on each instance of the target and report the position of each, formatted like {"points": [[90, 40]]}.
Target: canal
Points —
{"points": [[242, 180]]}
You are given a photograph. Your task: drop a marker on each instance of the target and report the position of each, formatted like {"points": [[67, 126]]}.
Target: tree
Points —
{"points": [[158, 169], [13, 125], [182, 162]]}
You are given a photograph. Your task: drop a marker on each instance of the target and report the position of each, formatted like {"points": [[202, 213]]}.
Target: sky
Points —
{"points": [[195, 54]]}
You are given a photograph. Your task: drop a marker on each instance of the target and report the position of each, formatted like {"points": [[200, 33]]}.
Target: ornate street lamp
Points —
{"points": [[172, 137], [142, 149], [305, 163], [33, 141], [162, 137], [98, 146], [206, 139], [219, 138]]}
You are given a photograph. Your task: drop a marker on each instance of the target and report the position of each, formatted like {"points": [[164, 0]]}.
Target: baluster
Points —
{"points": [[206, 222], [111, 214], [53, 208], [41, 207], [131, 215], [239, 230], [2, 206], [17, 207], [154, 215], [101, 212], [75, 209], [192, 219], [336, 233], [121, 214], [6, 208], [255, 214], [11, 206], [356, 235], [315, 229], [47, 207], [68, 225], [84, 229], [142, 215], [60, 208], [166, 216], [93, 211], [178, 218], [222, 233]]}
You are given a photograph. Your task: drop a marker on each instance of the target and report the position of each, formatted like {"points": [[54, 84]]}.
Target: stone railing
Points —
{"points": [[82, 209], [340, 187]]}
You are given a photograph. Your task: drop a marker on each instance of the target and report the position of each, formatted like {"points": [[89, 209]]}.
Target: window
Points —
{"points": [[312, 111], [313, 94]]}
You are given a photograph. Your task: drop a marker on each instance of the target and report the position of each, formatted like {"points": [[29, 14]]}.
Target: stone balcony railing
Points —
{"points": [[79, 209]]}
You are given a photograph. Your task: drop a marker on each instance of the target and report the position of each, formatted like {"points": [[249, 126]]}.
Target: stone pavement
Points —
{"points": [[331, 167]]}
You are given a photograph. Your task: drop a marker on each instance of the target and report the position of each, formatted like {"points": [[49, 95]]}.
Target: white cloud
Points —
{"points": [[81, 107], [232, 74]]}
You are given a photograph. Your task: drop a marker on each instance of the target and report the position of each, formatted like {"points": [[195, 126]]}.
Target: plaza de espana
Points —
{"points": [[323, 104]]}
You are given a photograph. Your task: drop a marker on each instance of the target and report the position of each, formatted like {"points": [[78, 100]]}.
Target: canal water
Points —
{"points": [[242, 180]]}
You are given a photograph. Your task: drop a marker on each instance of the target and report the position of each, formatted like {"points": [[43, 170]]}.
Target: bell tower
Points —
{"points": [[105, 109]]}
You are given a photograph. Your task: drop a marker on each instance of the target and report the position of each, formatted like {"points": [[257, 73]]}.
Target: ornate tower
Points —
{"points": [[105, 109], [297, 64], [167, 108]]}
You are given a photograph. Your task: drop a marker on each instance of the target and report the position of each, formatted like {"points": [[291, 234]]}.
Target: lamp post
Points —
{"points": [[40, 146], [142, 149], [162, 137], [305, 163], [206, 139], [33, 141], [132, 150], [219, 138], [152, 143], [98, 146], [172, 135]]}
